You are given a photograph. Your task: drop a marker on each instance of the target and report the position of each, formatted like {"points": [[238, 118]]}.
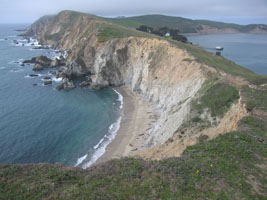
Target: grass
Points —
{"points": [[255, 98], [217, 99], [218, 169], [184, 25], [125, 22], [114, 31], [220, 63]]}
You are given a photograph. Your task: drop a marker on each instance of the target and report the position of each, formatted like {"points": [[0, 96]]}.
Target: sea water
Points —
{"points": [[41, 124], [248, 50]]}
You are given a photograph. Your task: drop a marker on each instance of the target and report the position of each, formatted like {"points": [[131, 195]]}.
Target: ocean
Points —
{"points": [[41, 124], [247, 50]]}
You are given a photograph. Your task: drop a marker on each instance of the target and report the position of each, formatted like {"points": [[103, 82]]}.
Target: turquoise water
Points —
{"points": [[248, 50], [41, 124]]}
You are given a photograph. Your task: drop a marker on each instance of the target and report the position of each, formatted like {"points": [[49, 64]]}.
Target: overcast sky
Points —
{"points": [[237, 11]]}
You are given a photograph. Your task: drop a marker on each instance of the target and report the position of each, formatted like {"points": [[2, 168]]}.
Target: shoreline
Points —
{"points": [[137, 119]]}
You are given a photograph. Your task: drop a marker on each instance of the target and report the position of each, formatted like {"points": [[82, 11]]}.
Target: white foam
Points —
{"points": [[81, 159], [15, 71], [2, 67], [56, 79], [101, 150], [46, 79], [98, 144], [120, 98]]}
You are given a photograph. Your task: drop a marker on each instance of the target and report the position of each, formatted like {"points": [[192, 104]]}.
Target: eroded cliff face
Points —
{"points": [[166, 76], [154, 69]]}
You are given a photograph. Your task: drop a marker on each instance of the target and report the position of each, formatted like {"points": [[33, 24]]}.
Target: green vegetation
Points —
{"points": [[112, 31], [125, 22], [157, 21], [196, 119], [221, 63], [184, 25], [171, 33], [218, 99], [255, 98], [187, 60], [228, 167]]}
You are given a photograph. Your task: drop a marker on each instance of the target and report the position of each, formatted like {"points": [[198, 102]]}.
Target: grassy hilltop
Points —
{"points": [[184, 25], [231, 166]]}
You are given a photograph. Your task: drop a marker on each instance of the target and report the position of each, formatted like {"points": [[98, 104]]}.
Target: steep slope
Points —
{"points": [[143, 63], [185, 25], [161, 71]]}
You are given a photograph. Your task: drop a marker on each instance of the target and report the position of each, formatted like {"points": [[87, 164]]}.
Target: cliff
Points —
{"points": [[210, 123], [163, 72]]}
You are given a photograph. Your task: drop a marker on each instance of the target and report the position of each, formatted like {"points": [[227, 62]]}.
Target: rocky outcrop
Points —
{"points": [[58, 62], [48, 83], [66, 84], [43, 60], [33, 60], [38, 67]]}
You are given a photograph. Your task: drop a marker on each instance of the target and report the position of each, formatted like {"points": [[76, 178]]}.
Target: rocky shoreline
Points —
{"points": [[60, 64], [43, 62]]}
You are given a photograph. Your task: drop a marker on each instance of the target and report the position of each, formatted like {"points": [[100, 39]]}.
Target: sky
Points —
{"points": [[236, 11]]}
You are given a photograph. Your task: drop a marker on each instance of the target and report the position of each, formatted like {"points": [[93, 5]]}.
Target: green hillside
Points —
{"points": [[232, 166], [184, 25]]}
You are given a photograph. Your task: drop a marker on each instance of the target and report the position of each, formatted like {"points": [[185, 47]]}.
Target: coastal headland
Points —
{"points": [[192, 125]]}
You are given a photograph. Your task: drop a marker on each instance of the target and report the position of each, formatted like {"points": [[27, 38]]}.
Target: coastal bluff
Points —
{"points": [[164, 74], [207, 118]]}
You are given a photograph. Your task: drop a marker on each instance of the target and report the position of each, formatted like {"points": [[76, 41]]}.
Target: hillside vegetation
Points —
{"points": [[232, 166], [184, 25]]}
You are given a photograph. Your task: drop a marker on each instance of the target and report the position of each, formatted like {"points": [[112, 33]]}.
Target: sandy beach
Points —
{"points": [[138, 118]]}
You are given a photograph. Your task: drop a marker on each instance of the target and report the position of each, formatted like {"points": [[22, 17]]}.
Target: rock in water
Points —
{"points": [[33, 75], [47, 82], [60, 87], [30, 61], [55, 63], [47, 78], [37, 67], [53, 72], [84, 83], [66, 84], [43, 60]]}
